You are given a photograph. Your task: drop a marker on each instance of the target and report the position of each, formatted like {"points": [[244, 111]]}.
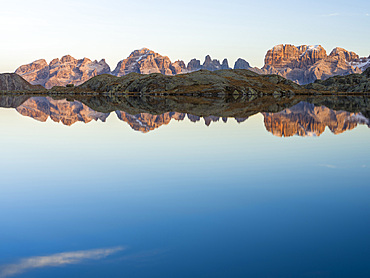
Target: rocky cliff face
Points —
{"points": [[14, 82], [60, 72], [305, 119], [41, 108], [304, 64]]}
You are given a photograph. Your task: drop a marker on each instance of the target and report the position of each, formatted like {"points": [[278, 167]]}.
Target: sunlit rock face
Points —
{"points": [[306, 63], [146, 61], [281, 56], [305, 119], [36, 72], [41, 108], [60, 72]]}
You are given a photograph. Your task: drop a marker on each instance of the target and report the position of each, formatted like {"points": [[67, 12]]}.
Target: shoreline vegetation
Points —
{"points": [[202, 83]]}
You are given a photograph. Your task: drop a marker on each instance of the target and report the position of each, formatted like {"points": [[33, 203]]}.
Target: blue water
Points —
{"points": [[184, 200]]}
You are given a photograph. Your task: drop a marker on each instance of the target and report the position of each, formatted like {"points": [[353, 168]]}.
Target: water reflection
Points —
{"points": [[59, 259], [302, 116], [306, 119]]}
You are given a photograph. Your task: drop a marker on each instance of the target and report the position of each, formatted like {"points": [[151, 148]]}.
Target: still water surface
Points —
{"points": [[97, 194]]}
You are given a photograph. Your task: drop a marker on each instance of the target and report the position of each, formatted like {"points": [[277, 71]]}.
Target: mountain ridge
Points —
{"points": [[302, 64]]}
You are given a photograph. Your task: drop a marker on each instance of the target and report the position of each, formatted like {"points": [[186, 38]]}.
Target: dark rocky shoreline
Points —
{"points": [[203, 82]]}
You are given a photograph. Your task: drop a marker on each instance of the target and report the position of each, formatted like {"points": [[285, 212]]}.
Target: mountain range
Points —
{"points": [[302, 64]]}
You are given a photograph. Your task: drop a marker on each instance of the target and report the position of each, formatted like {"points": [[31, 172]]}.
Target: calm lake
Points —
{"points": [[184, 187]]}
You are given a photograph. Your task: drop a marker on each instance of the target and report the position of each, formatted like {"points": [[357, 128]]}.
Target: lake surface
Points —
{"points": [[184, 187]]}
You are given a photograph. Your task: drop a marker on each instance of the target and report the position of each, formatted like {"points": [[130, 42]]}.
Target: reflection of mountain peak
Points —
{"points": [[67, 112], [305, 119], [146, 122]]}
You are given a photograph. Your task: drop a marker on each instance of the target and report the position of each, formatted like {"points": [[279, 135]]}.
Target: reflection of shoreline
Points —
{"points": [[283, 117], [58, 259]]}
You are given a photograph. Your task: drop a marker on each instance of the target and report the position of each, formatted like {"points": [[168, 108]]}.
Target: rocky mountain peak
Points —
{"points": [[343, 54], [207, 59], [37, 70], [210, 64], [241, 64], [194, 65], [67, 59], [225, 64], [146, 61]]}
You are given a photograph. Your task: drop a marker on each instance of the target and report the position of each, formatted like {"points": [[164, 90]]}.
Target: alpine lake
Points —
{"points": [[183, 186]]}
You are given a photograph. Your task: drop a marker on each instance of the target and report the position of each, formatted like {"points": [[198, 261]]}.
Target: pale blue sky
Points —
{"points": [[184, 30]]}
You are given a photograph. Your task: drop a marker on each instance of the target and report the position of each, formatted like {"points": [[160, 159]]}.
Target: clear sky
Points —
{"points": [[111, 29]]}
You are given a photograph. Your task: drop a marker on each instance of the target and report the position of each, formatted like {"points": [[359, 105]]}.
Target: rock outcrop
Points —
{"points": [[202, 81], [60, 72], [14, 82], [305, 119]]}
